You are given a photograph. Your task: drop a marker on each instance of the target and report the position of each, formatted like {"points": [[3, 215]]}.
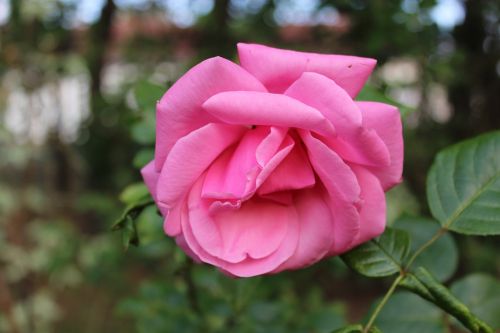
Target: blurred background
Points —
{"points": [[78, 84]]}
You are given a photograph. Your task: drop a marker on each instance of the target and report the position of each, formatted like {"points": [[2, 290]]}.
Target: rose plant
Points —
{"points": [[272, 165]]}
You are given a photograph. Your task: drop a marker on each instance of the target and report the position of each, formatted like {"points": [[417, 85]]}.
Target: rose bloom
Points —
{"points": [[271, 165]]}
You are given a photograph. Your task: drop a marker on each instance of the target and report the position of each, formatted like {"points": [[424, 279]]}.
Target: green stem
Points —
{"points": [[424, 246], [380, 305]]}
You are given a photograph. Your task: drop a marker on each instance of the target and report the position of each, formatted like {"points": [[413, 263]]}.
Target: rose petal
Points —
{"points": [[277, 69], [345, 224], [270, 145], [329, 98], [316, 229], [233, 240], [179, 111], [232, 175], [363, 147], [191, 156], [386, 121], [249, 267], [343, 191], [172, 221], [257, 108], [335, 174], [372, 213], [284, 149], [293, 173], [235, 235], [150, 177], [354, 142]]}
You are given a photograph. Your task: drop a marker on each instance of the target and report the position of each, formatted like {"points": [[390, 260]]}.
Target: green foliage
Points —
{"points": [[442, 297], [380, 257], [463, 180], [406, 313], [463, 186], [199, 298], [133, 193], [137, 198], [129, 233], [481, 293], [442, 266]]}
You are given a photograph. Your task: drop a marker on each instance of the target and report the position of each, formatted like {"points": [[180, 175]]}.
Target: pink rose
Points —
{"points": [[271, 165]]}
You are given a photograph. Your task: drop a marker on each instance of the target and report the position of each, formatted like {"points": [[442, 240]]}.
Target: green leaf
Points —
{"points": [[133, 193], [371, 93], [380, 257], [129, 233], [443, 298], [406, 313], [137, 198], [147, 94], [132, 210], [463, 186], [441, 258], [481, 293]]}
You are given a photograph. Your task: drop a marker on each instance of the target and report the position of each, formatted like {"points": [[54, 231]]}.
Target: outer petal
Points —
{"points": [[172, 221], [233, 240], [354, 142], [277, 68], [189, 158], [343, 191], [150, 176], [241, 232], [235, 235], [316, 229], [386, 121], [335, 174], [328, 98], [179, 111], [373, 208], [257, 108], [248, 267]]}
